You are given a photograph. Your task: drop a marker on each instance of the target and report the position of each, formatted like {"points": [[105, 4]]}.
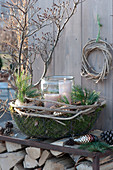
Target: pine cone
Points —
{"points": [[107, 136], [9, 125], [7, 131]]}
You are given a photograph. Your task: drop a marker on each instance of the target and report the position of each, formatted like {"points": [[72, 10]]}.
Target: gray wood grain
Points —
{"points": [[90, 9], [68, 51], [67, 57]]}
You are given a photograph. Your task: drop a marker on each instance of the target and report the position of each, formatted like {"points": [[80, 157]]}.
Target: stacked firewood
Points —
{"points": [[17, 157]]}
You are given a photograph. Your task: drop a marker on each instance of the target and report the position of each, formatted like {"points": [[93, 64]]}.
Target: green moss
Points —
{"points": [[48, 128]]}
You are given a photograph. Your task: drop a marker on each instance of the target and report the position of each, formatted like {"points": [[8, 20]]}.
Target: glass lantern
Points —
{"points": [[50, 84], [54, 88]]}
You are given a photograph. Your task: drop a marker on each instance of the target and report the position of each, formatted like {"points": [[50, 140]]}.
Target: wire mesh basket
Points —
{"points": [[58, 122]]}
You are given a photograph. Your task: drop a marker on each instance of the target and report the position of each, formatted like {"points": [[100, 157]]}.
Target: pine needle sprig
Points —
{"points": [[64, 100], [31, 92], [23, 87], [84, 96], [96, 146]]}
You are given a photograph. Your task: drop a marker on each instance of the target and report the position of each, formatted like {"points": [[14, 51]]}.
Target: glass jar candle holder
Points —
{"points": [[50, 84], [55, 87]]}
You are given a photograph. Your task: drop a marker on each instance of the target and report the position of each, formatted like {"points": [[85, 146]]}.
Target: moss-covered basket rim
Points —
{"points": [[35, 121]]}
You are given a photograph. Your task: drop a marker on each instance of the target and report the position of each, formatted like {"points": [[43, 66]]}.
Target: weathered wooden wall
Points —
{"points": [[67, 57], [38, 65], [90, 9]]}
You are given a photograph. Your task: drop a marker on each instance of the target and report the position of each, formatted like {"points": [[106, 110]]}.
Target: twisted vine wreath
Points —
{"points": [[87, 70]]}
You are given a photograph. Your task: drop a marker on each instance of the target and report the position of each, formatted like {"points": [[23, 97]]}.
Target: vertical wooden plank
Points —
{"points": [[68, 50], [89, 31], [51, 68], [38, 65]]}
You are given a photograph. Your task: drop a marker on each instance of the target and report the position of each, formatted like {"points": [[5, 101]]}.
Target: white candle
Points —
{"points": [[52, 97], [65, 88]]}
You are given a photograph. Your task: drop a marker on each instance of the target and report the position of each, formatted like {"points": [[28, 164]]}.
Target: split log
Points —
{"points": [[84, 165], [45, 155], [9, 160], [76, 158], [11, 147], [103, 160], [18, 167], [56, 153], [106, 159], [33, 152], [2, 147], [59, 143], [105, 164], [88, 166], [61, 163], [29, 162]]}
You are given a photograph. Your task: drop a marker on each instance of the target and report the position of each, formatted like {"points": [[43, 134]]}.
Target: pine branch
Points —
{"points": [[86, 97], [96, 146]]}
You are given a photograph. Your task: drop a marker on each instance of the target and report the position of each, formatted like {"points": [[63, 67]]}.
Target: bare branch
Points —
{"points": [[60, 29], [24, 23]]}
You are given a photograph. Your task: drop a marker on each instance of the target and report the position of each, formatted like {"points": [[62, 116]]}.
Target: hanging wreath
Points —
{"points": [[87, 70]]}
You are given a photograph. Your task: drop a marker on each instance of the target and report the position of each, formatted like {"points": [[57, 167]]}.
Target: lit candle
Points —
{"points": [[65, 88], [52, 97]]}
